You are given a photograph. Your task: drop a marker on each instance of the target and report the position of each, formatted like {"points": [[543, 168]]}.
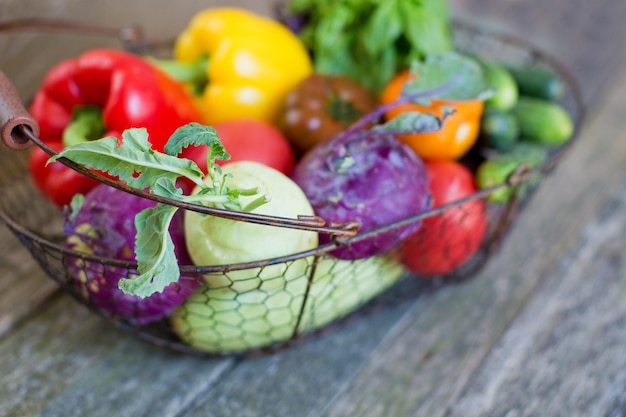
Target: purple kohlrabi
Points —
{"points": [[104, 226], [369, 177]]}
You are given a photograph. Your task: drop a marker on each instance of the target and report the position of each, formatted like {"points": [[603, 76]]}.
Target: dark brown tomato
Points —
{"points": [[320, 107]]}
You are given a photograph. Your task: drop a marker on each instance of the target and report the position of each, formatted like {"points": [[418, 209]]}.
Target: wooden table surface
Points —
{"points": [[541, 331]]}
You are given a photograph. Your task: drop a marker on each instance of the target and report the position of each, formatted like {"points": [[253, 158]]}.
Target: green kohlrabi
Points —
{"points": [[214, 240], [223, 320]]}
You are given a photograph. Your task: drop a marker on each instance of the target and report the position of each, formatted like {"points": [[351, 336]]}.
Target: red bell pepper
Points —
{"points": [[102, 93], [58, 182]]}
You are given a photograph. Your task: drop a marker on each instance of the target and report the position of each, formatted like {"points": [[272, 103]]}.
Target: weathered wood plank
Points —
{"points": [[138, 381], [68, 362], [45, 355], [565, 355], [300, 380], [424, 368]]}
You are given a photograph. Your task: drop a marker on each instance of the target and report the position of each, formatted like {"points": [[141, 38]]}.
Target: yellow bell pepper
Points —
{"points": [[253, 62]]}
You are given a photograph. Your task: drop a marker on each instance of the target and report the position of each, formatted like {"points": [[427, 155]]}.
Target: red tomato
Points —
{"points": [[249, 140], [446, 241]]}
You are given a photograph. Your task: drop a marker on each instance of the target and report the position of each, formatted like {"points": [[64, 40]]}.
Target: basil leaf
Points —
{"points": [[383, 28], [384, 71], [372, 40], [426, 27]]}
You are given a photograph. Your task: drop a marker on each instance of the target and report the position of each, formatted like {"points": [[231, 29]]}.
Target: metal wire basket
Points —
{"points": [[264, 305]]}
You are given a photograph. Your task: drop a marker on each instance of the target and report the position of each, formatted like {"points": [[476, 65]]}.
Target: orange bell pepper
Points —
{"points": [[458, 133]]}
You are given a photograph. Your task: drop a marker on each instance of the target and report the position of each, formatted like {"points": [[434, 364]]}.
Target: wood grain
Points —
{"points": [[565, 354]]}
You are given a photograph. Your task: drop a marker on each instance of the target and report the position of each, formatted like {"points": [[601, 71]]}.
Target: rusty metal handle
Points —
{"points": [[13, 115]]}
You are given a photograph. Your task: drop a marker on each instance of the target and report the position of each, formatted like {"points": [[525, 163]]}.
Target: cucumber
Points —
{"points": [[505, 89], [496, 169], [542, 121], [499, 130], [540, 82]]}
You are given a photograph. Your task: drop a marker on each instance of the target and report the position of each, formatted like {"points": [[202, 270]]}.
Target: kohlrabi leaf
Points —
{"points": [[133, 161], [411, 122], [77, 202], [461, 75], [154, 252], [195, 134], [166, 188]]}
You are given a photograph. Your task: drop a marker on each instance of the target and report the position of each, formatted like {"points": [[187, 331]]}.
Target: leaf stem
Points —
{"points": [[373, 116]]}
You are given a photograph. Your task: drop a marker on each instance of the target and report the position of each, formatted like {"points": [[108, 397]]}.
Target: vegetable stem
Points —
{"points": [[257, 202], [381, 110], [194, 73], [87, 124]]}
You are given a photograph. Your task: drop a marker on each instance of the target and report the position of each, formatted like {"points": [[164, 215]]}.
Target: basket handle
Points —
{"points": [[13, 115]]}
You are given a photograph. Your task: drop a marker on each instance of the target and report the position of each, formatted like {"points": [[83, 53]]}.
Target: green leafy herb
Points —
{"points": [[371, 40], [136, 163]]}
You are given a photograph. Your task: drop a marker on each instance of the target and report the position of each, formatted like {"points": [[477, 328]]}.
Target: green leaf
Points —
{"points": [[331, 28], [383, 28], [368, 39], [440, 7], [300, 6], [165, 188], [426, 28], [378, 77], [154, 251], [75, 204], [133, 161], [461, 76], [195, 134], [411, 122]]}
